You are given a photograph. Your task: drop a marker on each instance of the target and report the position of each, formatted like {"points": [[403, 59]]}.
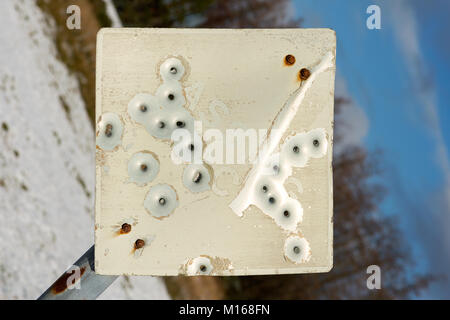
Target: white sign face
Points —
{"points": [[214, 151]]}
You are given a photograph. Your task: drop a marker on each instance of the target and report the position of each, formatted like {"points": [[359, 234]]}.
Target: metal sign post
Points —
{"points": [[79, 282]]}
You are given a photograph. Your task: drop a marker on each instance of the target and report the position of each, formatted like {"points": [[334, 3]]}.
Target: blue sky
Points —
{"points": [[399, 80]]}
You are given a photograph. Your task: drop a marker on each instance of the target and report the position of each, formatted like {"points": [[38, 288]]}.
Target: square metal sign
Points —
{"points": [[214, 151]]}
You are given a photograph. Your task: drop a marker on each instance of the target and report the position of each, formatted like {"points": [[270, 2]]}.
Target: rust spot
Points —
{"points": [[289, 60], [126, 228], [139, 244], [304, 74], [60, 285]]}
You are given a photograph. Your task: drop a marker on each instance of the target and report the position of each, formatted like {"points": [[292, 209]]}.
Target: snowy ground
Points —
{"points": [[46, 164]]}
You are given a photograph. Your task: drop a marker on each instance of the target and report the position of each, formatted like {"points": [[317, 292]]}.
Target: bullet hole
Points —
{"points": [[5, 126], [191, 147], [296, 250], [197, 177], [143, 108], [143, 168], [272, 200], [286, 213], [276, 169], [304, 74], [173, 70], [108, 130], [203, 268], [265, 189], [161, 201], [110, 134], [289, 59], [161, 124], [180, 124], [316, 143], [126, 228], [296, 149], [171, 96], [139, 244]]}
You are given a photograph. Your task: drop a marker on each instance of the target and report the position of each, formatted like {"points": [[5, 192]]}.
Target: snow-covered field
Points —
{"points": [[46, 164]]}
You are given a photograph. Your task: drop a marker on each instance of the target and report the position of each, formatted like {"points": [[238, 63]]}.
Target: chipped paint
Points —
{"points": [[206, 265]]}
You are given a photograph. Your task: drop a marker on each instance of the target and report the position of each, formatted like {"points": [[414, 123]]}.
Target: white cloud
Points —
{"points": [[406, 33], [432, 219]]}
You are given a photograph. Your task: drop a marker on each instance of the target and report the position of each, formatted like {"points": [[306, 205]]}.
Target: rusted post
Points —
{"points": [[79, 282]]}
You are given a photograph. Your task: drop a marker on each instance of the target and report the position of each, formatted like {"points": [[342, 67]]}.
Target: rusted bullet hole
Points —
{"points": [[162, 201], [180, 124], [304, 74], [173, 70], [171, 96], [191, 147], [316, 143], [143, 108], [272, 200], [289, 59], [139, 244], [296, 250], [265, 189], [161, 124], [144, 167], [203, 268], [126, 228], [286, 213], [197, 177], [108, 130], [296, 149]]}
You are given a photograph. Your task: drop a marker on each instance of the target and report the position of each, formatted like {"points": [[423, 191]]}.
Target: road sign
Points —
{"points": [[214, 151]]}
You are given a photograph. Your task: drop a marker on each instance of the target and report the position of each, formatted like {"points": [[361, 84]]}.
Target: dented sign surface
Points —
{"points": [[214, 151]]}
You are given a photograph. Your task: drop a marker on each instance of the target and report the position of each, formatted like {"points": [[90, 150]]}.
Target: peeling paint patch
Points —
{"points": [[206, 265]]}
